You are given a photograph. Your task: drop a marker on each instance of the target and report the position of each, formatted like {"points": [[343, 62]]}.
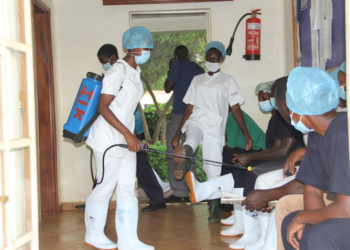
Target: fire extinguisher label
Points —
{"points": [[254, 26]]}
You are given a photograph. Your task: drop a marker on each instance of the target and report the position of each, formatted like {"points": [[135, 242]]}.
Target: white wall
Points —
{"points": [[80, 27]]}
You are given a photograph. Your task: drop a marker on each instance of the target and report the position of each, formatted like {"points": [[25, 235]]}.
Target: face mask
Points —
{"points": [[143, 58], [107, 66], [265, 106], [300, 125], [212, 67], [342, 93], [273, 103]]}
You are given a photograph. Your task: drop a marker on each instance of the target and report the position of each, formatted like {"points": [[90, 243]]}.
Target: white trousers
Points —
{"points": [[211, 150], [119, 173], [272, 179]]}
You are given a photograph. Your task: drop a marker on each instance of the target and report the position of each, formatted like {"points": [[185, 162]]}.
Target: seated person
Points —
{"points": [[286, 141], [205, 117], [325, 167]]}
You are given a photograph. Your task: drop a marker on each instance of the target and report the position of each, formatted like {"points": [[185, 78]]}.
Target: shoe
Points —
{"points": [[154, 207], [214, 211], [229, 221], [237, 229], [263, 219], [164, 185], [95, 220], [209, 190], [251, 230], [126, 218], [175, 199], [271, 234], [80, 207], [182, 165]]}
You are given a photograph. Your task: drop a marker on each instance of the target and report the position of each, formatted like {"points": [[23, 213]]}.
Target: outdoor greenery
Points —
{"points": [[152, 117], [154, 72], [159, 163]]}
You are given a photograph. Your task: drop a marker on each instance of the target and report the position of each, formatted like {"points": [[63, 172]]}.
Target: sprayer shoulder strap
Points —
{"points": [[93, 119]]}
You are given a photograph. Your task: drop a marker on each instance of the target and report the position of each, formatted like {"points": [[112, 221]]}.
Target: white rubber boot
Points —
{"points": [[231, 220], [209, 190], [271, 234], [126, 218], [251, 230], [237, 229], [95, 221], [165, 185], [263, 219]]}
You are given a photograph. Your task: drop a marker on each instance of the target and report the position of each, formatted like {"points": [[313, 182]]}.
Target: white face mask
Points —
{"points": [[212, 67]]}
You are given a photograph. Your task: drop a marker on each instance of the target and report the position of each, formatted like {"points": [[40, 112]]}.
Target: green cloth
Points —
{"points": [[235, 136]]}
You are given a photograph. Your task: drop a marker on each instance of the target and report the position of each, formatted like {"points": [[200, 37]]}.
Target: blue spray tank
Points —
{"points": [[84, 110]]}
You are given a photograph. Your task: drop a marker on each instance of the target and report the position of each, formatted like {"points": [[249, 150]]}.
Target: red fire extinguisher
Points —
{"points": [[252, 41], [253, 28]]}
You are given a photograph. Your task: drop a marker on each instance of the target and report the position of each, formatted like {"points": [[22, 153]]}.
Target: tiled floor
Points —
{"points": [[182, 226]]}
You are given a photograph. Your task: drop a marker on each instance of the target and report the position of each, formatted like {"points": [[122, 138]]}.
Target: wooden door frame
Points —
{"points": [[47, 152]]}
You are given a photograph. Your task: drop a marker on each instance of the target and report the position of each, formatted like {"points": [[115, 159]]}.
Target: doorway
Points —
{"points": [[47, 155]]}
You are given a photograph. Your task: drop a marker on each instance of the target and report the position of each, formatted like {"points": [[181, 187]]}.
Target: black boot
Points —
{"points": [[214, 211]]}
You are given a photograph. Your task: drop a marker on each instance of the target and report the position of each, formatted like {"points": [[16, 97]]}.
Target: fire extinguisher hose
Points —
{"points": [[144, 147]]}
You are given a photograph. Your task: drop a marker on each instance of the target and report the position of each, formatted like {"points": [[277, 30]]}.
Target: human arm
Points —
{"points": [[238, 115], [169, 83], [294, 157], [258, 199], [108, 115], [277, 151], [186, 115]]}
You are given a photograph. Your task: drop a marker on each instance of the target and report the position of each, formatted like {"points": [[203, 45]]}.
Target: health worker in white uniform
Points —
{"points": [[209, 97], [122, 89]]}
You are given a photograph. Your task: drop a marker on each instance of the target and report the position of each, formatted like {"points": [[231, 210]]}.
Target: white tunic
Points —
{"points": [[211, 97], [102, 134]]}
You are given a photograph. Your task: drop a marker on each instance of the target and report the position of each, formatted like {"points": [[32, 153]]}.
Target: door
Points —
{"points": [[18, 159]]}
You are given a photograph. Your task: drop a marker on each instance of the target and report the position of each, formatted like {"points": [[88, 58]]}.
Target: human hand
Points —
{"points": [[133, 142], [241, 159], [175, 141], [249, 142], [256, 200], [292, 159], [295, 228]]}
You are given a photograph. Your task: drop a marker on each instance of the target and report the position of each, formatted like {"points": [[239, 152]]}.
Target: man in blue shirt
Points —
{"points": [[181, 73]]}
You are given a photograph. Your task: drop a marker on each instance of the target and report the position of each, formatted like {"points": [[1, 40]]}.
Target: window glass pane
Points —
{"points": [[16, 77], [10, 13], [20, 192]]}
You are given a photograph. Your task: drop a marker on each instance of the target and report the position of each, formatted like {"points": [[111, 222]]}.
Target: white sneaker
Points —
{"points": [[95, 222], [209, 190], [251, 230], [164, 185], [126, 218]]}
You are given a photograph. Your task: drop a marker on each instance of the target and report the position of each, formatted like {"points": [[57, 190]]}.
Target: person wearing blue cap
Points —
{"points": [[205, 118], [121, 91], [312, 97]]}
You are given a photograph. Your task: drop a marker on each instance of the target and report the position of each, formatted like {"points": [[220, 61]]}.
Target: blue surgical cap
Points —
{"points": [[137, 37], [216, 45], [343, 67], [334, 75], [311, 91]]}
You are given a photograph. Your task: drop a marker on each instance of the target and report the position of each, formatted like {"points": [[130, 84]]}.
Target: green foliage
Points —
{"points": [[155, 70], [159, 163], [152, 117]]}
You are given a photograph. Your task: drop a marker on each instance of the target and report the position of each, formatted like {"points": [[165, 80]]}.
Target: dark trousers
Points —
{"points": [[147, 179], [330, 234], [243, 179]]}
